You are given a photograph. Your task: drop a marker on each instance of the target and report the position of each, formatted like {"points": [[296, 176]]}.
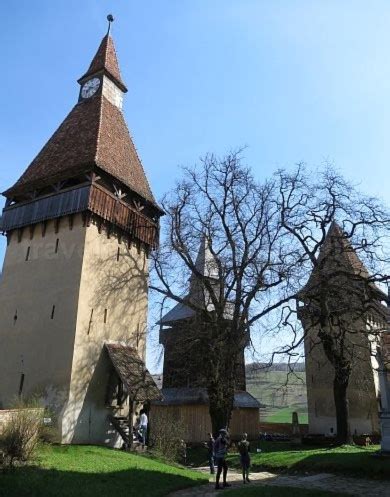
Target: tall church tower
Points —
{"points": [[80, 223]]}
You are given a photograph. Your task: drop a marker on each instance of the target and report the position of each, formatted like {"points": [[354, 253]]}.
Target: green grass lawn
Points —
{"points": [[351, 460], [86, 471], [279, 492]]}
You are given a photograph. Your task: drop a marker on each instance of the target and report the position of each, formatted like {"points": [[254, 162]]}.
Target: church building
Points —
{"points": [[80, 222]]}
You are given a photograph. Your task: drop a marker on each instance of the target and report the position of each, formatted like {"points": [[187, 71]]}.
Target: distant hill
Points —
{"points": [[278, 366], [281, 387]]}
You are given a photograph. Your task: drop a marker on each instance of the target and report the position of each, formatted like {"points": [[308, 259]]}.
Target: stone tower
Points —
{"points": [[341, 282], [80, 223]]}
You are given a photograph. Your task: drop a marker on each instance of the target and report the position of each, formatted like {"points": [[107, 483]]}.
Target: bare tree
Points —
{"points": [[265, 240], [338, 236], [220, 203]]}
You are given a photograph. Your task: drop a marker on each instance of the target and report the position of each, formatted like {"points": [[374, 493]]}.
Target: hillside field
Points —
{"points": [[281, 392]]}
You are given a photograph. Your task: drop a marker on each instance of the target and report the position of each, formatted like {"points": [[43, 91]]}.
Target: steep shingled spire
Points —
{"points": [[337, 253], [93, 135], [207, 266], [205, 261], [105, 60]]}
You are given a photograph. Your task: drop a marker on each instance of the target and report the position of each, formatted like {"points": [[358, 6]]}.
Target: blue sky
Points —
{"points": [[294, 80]]}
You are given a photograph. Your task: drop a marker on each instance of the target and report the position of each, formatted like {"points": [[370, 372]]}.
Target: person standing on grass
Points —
{"points": [[220, 450], [245, 458], [143, 426], [210, 452]]}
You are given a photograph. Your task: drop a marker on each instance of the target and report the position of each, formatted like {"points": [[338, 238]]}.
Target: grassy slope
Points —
{"points": [[86, 471], [347, 460], [283, 394], [279, 492]]}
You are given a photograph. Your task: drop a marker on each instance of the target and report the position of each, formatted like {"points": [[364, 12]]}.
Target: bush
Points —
{"points": [[166, 438], [21, 432]]}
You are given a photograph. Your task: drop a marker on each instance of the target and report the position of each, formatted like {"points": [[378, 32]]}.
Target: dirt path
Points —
{"points": [[322, 481]]}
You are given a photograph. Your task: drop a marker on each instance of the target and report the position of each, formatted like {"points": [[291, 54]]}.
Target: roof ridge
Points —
{"points": [[101, 96]]}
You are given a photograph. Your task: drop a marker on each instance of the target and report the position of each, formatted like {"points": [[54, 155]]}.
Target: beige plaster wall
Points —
{"points": [[114, 286], [63, 358], [35, 344], [361, 392]]}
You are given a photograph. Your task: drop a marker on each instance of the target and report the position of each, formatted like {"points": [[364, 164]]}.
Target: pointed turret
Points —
{"points": [[336, 253], [207, 265], [105, 62]]}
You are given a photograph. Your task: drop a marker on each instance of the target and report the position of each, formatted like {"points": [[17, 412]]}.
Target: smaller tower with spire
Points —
{"points": [[340, 282], [185, 372]]}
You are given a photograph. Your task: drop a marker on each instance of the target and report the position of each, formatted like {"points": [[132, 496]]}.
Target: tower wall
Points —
{"points": [[361, 393], [112, 306], [36, 339], [99, 294]]}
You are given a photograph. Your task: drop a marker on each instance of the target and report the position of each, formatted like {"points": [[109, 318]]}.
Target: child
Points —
{"points": [[245, 459]]}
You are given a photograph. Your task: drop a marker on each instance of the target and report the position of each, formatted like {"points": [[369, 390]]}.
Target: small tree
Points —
{"points": [[166, 438], [20, 435]]}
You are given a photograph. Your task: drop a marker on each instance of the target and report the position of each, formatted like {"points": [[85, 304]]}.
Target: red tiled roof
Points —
{"points": [[93, 134], [105, 60]]}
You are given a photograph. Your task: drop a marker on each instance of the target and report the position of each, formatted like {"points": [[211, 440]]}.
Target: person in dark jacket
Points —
{"points": [[220, 449], [245, 458], [210, 452]]}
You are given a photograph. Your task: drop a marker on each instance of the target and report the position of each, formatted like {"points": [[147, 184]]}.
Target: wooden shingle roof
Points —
{"points": [[105, 60], [337, 253], [132, 371], [94, 134]]}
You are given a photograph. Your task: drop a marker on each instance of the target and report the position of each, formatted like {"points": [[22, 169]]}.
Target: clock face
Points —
{"points": [[90, 87]]}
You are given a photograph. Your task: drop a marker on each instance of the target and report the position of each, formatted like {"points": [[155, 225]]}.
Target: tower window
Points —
{"points": [[52, 312], [15, 317], [21, 383], [118, 254], [56, 248], [90, 322], [105, 316], [28, 253]]}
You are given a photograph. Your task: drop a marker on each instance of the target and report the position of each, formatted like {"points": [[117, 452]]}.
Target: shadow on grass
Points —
{"points": [[39, 482]]}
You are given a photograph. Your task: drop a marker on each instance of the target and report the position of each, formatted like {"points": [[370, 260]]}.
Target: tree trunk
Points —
{"points": [[340, 385], [221, 400], [220, 409]]}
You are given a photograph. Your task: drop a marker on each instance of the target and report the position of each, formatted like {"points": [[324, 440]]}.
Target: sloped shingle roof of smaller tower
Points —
{"points": [[105, 60], [343, 256], [93, 133]]}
